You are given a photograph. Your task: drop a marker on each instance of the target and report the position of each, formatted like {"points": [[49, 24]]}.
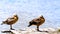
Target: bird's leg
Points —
{"points": [[37, 28], [11, 27]]}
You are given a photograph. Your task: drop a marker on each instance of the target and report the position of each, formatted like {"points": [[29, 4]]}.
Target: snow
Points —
{"points": [[33, 31]]}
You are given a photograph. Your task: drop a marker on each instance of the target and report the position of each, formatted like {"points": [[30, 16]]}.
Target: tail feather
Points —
{"points": [[2, 23], [29, 25]]}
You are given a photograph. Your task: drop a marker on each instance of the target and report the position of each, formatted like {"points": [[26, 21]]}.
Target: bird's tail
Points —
{"points": [[29, 25], [2, 23]]}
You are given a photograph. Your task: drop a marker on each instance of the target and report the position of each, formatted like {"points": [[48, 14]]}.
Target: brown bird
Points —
{"points": [[38, 21], [11, 21]]}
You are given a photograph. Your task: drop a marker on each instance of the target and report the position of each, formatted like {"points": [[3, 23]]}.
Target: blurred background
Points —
{"points": [[28, 10]]}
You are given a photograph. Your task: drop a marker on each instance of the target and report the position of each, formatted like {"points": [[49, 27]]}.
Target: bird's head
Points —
{"points": [[41, 16], [15, 15]]}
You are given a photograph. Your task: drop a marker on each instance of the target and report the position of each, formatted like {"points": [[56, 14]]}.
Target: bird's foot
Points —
{"points": [[45, 31], [12, 29], [38, 30], [42, 31]]}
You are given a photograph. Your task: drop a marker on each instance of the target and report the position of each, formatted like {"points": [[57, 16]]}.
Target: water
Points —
{"points": [[28, 10]]}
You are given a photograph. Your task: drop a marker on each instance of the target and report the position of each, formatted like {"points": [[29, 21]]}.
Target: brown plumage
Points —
{"points": [[11, 21], [38, 21]]}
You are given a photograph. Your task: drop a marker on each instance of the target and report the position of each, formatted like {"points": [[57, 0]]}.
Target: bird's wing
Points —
{"points": [[10, 19], [36, 20]]}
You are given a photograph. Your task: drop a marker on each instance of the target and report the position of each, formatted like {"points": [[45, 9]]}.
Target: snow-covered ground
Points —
{"points": [[33, 31], [28, 10]]}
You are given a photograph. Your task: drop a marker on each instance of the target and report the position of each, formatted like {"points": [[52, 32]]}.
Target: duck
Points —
{"points": [[11, 21], [37, 21]]}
